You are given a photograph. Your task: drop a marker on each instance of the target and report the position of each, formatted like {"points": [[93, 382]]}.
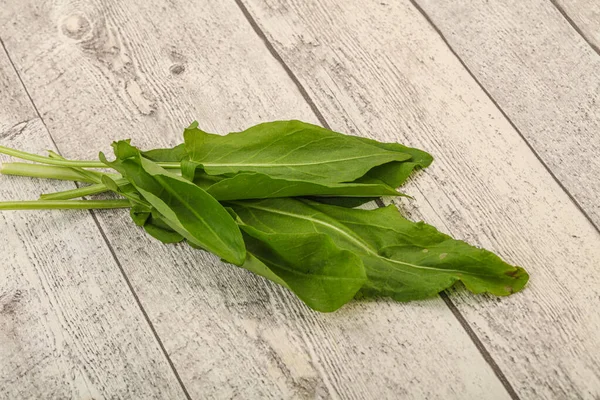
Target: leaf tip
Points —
{"points": [[520, 277]]}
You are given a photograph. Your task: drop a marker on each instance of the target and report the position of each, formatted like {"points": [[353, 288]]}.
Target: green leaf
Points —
{"points": [[395, 174], [253, 185], [188, 169], [158, 228], [185, 207], [140, 214], [154, 224], [204, 180], [256, 266], [127, 190], [347, 202], [322, 275], [174, 154], [194, 141], [289, 150], [403, 259]]}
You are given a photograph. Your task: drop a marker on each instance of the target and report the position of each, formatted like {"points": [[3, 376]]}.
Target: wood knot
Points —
{"points": [[177, 69], [76, 26], [176, 56], [9, 302], [140, 98]]}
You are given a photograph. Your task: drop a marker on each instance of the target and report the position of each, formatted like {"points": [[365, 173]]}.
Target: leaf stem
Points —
{"points": [[44, 171], [96, 177], [74, 193], [68, 163], [63, 204]]}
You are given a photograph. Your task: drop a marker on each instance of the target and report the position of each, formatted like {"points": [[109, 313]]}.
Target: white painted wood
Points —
{"points": [[69, 325], [15, 107], [381, 71], [109, 70], [544, 76], [585, 14]]}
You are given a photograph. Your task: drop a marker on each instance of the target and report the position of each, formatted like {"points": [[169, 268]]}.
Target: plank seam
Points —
{"points": [[139, 303], [480, 346], [455, 311], [287, 69], [474, 338], [566, 16], [104, 237], [512, 124]]}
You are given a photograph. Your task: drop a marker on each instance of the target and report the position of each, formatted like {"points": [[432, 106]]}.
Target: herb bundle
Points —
{"points": [[278, 199]]}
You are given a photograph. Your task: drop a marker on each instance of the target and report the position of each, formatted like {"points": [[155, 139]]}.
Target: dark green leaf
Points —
{"points": [[395, 174], [144, 215], [156, 227], [127, 190], [204, 180], [185, 207], [403, 259], [347, 202], [322, 275], [252, 185], [140, 214]]}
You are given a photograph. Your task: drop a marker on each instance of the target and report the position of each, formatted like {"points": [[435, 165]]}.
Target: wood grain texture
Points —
{"points": [[585, 14], [544, 76], [108, 70], [69, 325], [379, 71]]}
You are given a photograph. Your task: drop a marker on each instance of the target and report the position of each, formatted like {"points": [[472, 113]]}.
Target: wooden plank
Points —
{"points": [[15, 108], [69, 325], [544, 76], [124, 69], [381, 71], [585, 15]]}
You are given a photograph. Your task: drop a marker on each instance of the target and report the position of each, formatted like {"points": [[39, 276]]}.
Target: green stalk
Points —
{"points": [[68, 163], [84, 191], [50, 161], [63, 204], [96, 177], [54, 172], [44, 171], [74, 193]]}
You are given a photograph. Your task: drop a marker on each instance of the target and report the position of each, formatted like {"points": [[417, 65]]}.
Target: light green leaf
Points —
{"points": [[288, 149], [174, 154], [395, 174]]}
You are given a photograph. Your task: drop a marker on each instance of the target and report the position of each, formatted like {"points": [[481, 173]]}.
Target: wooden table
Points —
{"points": [[504, 93]]}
